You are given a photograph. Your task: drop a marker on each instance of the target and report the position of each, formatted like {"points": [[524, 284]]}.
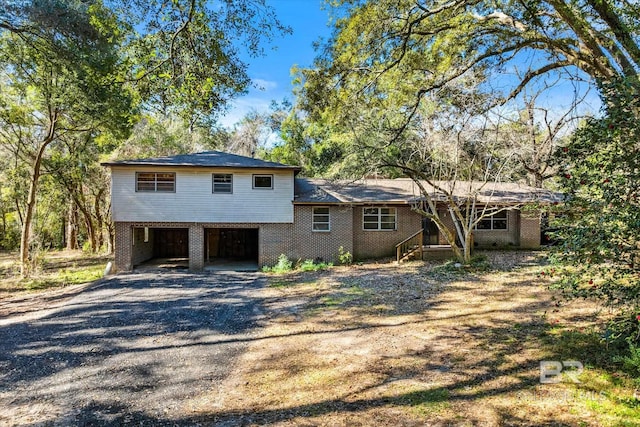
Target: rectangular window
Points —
{"points": [[223, 183], [321, 219], [379, 218], [164, 182], [263, 182], [497, 221], [146, 234]]}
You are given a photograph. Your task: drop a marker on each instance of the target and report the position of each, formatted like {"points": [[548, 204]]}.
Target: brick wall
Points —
{"points": [[378, 244], [298, 241], [122, 246], [275, 239], [500, 238], [141, 251], [530, 230], [196, 247], [323, 245]]}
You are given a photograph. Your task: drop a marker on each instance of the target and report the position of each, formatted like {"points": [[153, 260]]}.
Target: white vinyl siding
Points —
{"points": [[497, 221], [156, 182], [192, 200], [223, 183], [321, 219], [379, 219]]}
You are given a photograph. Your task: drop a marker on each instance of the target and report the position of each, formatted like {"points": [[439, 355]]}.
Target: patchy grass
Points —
{"points": [[380, 344], [57, 269]]}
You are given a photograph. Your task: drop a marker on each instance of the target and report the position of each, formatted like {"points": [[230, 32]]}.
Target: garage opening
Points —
{"points": [[171, 243], [166, 248], [231, 249]]}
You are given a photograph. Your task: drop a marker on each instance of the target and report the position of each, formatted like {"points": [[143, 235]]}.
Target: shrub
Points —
{"points": [[345, 258], [310, 265], [283, 265]]}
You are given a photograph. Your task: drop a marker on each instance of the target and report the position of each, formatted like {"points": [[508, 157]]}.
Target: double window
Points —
{"points": [[156, 182], [321, 219], [379, 218], [223, 183], [497, 221]]}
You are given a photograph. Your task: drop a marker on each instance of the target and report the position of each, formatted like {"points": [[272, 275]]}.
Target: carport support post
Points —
{"points": [[196, 247], [123, 250]]}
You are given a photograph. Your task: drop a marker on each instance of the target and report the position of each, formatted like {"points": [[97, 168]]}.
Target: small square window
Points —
{"points": [[223, 183], [263, 182]]}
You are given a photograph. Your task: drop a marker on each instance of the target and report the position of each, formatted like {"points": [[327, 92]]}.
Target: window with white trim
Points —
{"points": [[379, 218], [497, 221], [321, 219], [264, 182], [222, 183], [156, 182]]}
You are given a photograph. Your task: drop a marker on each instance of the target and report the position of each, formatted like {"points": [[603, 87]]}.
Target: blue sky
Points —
{"points": [[272, 72], [309, 21]]}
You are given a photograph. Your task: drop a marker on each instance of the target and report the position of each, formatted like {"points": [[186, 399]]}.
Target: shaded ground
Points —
{"points": [[132, 349], [419, 345], [375, 344]]}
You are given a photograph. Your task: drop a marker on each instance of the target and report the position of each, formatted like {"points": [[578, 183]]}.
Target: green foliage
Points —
{"points": [[631, 361], [310, 265], [600, 221], [344, 258], [284, 265]]}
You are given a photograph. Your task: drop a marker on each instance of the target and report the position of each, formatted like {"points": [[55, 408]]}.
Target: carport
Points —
{"points": [[159, 247], [231, 249]]}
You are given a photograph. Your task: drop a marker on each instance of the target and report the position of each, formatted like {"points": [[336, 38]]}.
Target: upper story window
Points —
{"points": [[264, 182], [379, 218], [164, 182], [497, 221], [321, 219], [223, 183]]}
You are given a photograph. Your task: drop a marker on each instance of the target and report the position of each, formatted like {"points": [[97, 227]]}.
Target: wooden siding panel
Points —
{"points": [[193, 200]]}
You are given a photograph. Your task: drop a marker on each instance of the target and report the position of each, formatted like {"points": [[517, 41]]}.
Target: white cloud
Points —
{"points": [[265, 85], [241, 106]]}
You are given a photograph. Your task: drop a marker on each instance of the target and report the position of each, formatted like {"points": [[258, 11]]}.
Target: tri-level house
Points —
{"points": [[213, 205]]}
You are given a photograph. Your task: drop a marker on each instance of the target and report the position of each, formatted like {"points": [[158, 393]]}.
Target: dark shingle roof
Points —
{"points": [[404, 191], [210, 159]]}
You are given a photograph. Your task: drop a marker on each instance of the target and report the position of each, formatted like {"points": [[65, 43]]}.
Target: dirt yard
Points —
{"points": [[372, 344], [418, 344]]}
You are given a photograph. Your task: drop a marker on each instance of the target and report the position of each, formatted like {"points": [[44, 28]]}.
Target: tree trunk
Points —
{"points": [[25, 237], [99, 220], [72, 227]]}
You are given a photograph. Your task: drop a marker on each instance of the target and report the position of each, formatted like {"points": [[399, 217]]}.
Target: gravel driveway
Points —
{"points": [[133, 349]]}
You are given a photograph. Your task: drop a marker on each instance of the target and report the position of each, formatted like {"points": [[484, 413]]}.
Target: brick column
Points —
{"points": [[196, 247], [123, 250]]}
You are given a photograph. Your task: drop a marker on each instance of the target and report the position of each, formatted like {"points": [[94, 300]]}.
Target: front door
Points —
{"points": [[429, 232]]}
